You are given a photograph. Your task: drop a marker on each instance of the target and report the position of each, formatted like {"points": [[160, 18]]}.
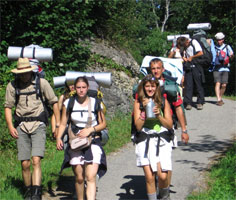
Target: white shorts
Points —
{"points": [[78, 159], [164, 157]]}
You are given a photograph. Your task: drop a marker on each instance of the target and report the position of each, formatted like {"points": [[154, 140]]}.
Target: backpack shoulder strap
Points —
{"points": [[70, 107]]}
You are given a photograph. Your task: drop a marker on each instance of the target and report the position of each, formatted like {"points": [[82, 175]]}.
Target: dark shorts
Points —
{"points": [[31, 144], [221, 77]]}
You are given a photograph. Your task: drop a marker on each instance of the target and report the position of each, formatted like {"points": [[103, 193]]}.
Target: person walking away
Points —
{"points": [[153, 140], [194, 74], [90, 161], [31, 119], [222, 69]]}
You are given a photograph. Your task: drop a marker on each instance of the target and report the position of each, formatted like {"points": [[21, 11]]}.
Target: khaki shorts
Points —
{"points": [[221, 77], [31, 144]]}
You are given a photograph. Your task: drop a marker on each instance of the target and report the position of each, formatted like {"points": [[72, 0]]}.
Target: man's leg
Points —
{"points": [[225, 77], [37, 172], [26, 174], [197, 77], [188, 88], [217, 91], [222, 89], [38, 138]]}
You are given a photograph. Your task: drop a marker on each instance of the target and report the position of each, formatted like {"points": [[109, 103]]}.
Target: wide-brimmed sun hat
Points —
{"points": [[219, 36], [23, 66]]}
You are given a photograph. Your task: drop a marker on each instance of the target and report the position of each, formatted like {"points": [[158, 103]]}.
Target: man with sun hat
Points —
{"points": [[30, 121], [221, 71]]}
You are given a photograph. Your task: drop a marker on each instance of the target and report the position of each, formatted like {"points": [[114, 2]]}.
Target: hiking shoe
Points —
{"points": [[188, 107], [199, 106], [220, 103], [27, 195]]}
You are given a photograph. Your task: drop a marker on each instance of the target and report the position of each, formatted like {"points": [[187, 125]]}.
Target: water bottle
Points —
{"points": [[149, 109]]}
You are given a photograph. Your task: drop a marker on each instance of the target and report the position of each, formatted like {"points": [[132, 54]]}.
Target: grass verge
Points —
{"points": [[221, 179], [11, 183]]}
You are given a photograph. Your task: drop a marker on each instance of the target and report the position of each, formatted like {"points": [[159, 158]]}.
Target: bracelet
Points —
{"points": [[57, 126], [94, 129], [185, 131]]}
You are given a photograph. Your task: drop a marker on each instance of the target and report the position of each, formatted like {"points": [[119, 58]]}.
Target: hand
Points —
{"points": [[59, 144], [190, 59], [13, 132], [145, 102], [185, 137], [85, 132], [156, 111]]}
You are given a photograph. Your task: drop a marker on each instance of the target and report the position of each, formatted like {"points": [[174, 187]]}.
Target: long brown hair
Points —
{"points": [[141, 91]]}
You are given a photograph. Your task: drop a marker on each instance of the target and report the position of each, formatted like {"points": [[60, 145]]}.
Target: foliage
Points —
{"points": [[222, 179]]}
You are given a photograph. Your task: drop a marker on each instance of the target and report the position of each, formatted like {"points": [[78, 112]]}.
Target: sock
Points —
{"points": [[164, 193], [152, 196]]}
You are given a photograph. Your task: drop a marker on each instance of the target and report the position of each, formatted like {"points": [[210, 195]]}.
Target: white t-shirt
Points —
{"points": [[79, 116], [190, 51]]}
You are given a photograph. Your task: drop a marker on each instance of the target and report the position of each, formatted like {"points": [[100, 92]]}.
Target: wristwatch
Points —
{"points": [[185, 131]]}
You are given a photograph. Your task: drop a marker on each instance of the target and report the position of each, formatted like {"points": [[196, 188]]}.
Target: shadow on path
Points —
{"points": [[208, 143], [135, 188], [65, 188]]}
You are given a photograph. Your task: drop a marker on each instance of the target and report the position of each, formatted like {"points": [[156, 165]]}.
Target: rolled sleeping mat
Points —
{"points": [[102, 78], [39, 53], [203, 26], [59, 81], [174, 37]]}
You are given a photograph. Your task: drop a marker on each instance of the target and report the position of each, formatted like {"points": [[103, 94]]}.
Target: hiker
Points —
{"points": [[28, 94], [153, 145], [177, 52], [221, 71], [69, 91], [194, 74], [89, 161], [157, 69]]}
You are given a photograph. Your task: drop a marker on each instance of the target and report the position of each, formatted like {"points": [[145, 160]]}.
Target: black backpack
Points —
{"points": [[43, 117], [206, 59]]}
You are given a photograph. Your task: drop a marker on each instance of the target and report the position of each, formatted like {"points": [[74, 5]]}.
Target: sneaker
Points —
{"points": [[188, 107], [199, 106]]}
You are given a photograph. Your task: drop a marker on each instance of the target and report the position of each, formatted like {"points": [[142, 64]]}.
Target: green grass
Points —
{"points": [[221, 179], [232, 97], [11, 183]]}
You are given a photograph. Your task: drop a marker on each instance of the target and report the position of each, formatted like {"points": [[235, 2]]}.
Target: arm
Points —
{"points": [[181, 118], [53, 119], [139, 117], [61, 129], [56, 113], [11, 128], [171, 54], [165, 120], [200, 53]]}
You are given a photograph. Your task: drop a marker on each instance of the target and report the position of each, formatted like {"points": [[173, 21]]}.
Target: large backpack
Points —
{"points": [[206, 59], [97, 107], [43, 117]]}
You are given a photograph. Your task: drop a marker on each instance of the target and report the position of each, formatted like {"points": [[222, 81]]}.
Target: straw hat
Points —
{"points": [[23, 66]]}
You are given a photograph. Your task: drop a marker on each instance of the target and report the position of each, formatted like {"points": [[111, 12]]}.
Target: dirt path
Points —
{"points": [[211, 131]]}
